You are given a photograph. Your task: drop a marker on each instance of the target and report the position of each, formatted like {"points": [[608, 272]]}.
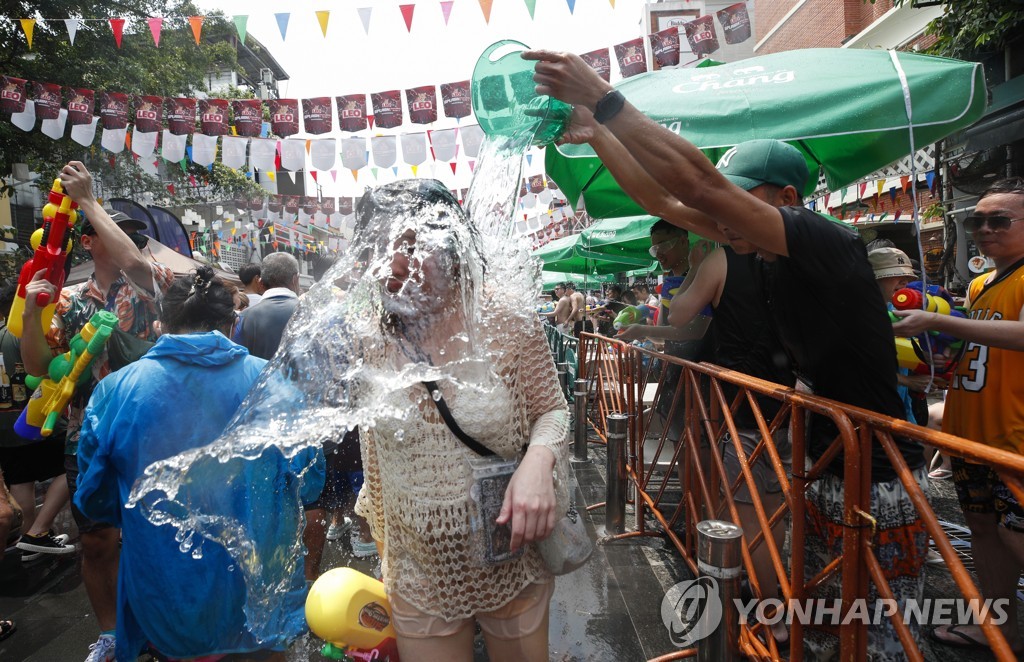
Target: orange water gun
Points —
{"points": [[52, 244]]}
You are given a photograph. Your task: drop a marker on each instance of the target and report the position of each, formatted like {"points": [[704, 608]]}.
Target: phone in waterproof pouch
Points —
{"points": [[490, 543]]}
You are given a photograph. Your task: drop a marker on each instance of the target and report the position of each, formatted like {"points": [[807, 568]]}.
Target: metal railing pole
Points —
{"points": [[563, 376], [615, 501], [579, 441], [719, 557]]}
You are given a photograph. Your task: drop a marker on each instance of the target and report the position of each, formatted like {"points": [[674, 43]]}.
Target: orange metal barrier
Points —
{"points": [[618, 381]]}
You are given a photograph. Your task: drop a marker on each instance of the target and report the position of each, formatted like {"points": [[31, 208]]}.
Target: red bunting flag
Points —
{"points": [[117, 25], [156, 24], [407, 11]]}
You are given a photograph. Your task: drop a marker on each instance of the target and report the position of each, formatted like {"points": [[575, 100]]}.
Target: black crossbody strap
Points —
{"points": [[446, 414]]}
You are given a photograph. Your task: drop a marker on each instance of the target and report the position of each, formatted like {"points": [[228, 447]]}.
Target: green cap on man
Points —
{"points": [[756, 162]]}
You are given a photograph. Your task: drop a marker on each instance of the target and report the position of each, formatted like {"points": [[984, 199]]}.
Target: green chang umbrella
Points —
{"points": [[845, 109], [569, 255], [552, 278]]}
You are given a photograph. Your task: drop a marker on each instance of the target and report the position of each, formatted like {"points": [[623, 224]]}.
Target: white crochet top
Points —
{"points": [[415, 494]]}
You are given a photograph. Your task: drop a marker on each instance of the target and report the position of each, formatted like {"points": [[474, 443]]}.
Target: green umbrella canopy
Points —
{"points": [[570, 255], [843, 108], [584, 281]]}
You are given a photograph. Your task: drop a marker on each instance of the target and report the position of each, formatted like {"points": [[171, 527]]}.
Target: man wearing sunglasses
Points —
{"points": [[985, 402], [128, 284]]}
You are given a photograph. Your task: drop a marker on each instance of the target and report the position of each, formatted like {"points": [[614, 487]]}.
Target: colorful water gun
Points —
{"points": [[350, 611], [66, 372], [633, 315], [51, 243], [914, 353]]}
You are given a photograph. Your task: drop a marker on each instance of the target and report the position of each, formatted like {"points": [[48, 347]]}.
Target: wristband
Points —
{"points": [[609, 106]]}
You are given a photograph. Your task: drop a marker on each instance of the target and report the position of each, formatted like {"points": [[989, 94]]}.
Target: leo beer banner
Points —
{"points": [[700, 32], [47, 99], [387, 108], [291, 204], [631, 56], [327, 206], [665, 47], [600, 61], [422, 104], [149, 113], [213, 117], [735, 23], [456, 100], [310, 205], [275, 204], [241, 202], [352, 112], [114, 110], [255, 202], [345, 206], [316, 115], [181, 115], [284, 117], [536, 183], [248, 117], [12, 94], [80, 105]]}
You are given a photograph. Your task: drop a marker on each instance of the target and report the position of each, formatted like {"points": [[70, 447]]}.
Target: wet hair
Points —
{"points": [[569, 285], [197, 302], [617, 289], [1008, 185], [248, 273], [664, 226], [7, 292], [279, 269], [629, 298], [641, 285]]}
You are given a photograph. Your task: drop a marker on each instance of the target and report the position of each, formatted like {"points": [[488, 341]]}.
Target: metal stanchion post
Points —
{"points": [[719, 557], [563, 376], [579, 441], [615, 501]]}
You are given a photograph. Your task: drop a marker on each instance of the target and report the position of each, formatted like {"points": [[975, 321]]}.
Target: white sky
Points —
{"points": [[349, 61]]}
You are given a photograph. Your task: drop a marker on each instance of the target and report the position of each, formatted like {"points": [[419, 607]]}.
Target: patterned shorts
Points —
{"points": [[979, 490]]}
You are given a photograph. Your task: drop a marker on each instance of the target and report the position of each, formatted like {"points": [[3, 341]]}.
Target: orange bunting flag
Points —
{"points": [[407, 11], [613, 3], [28, 26], [197, 26], [322, 17], [117, 25], [155, 25], [485, 7]]}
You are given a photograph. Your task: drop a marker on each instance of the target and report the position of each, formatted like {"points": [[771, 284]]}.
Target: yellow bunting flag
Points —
{"points": [[197, 26], [28, 26], [613, 3], [322, 17], [485, 7], [414, 169]]}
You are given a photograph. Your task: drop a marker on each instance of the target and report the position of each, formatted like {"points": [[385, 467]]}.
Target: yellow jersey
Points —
{"points": [[985, 402]]}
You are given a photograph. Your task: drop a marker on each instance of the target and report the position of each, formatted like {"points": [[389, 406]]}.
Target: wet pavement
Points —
{"points": [[608, 610]]}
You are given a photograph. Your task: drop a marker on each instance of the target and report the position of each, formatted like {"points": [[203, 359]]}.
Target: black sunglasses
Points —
{"points": [[995, 223]]}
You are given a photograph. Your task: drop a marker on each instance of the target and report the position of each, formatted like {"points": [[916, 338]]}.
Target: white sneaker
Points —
{"points": [[360, 548], [335, 531], [102, 650]]}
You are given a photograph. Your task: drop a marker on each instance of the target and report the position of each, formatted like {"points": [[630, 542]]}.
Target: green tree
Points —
{"points": [[968, 28]]}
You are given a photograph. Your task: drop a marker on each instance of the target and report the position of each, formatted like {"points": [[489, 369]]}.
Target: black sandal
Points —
{"points": [[7, 628]]}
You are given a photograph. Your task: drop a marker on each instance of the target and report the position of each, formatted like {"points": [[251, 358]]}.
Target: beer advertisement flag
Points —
{"points": [[327, 206], [387, 108], [291, 204], [455, 99], [735, 22], [414, 148], [384, 150], [353, 152], [284, 117], [248, 117], [114, 110], [316, 115], [47, 100], [352, 112], [344, 206], [665, 47], [322, 153], [422, 103], [80, 105], [632, 57], [293, 154], [149, 113], [255, 202], [12, 94], [213, 117], [275, 204], [263, 154], [181, 115], [241, 202], [310, 205], [600, 61], [536, 183], [472, 136], [700, 32]]}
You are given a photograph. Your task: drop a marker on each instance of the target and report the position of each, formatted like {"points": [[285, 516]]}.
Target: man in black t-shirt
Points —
{"points": [[818, 284]]}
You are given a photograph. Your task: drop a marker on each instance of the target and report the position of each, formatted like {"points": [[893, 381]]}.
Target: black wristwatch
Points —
{"points": [[609, 106]]}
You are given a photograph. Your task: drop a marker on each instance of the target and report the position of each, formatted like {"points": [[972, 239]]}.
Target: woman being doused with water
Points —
{"points": [[456, 538], [184, 598]]}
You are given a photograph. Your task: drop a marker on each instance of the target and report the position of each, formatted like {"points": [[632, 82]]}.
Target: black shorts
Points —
{"points": [[979, 490], [85, 525], [34, 462]]}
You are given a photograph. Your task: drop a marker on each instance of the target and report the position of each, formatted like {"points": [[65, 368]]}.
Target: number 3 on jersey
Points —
{"points": [[973, 378]]}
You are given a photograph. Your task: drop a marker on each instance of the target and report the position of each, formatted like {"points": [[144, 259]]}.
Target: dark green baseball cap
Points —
{"points": [[757, 162]]}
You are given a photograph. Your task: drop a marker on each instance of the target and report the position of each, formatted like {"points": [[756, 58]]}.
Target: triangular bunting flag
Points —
{"points": [[322, 17], [905, 182], [531, 6], [282, 23], [572, 5], [373, 171], [364, 16], [453, 164], [529, 159], [313, 175], [355, 174], [156, 24], [240, 24], [72, 26], [414, 169], [613, 3], [117, 25], [407, 11], [170, 189], [197, 26], [394, 169], [369, 119], [28, 26], [334, 175], [880, 184], [485, 7], [446, 9], [892, 194]]}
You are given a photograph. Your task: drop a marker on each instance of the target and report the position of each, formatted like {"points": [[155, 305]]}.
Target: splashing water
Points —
{"points": [[422, 294]]}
